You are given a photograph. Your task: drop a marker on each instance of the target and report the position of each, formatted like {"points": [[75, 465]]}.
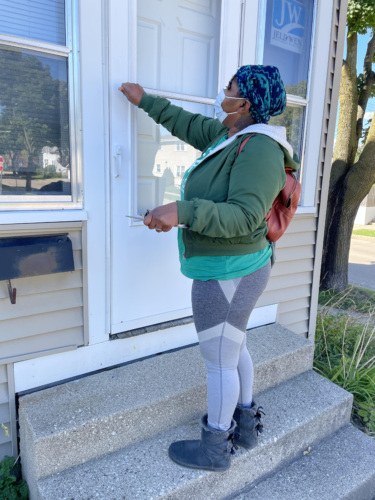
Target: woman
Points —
{"points": [[225, 197]]}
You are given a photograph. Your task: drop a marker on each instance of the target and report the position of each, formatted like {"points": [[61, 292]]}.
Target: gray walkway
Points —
{"points": [[362, 262]]}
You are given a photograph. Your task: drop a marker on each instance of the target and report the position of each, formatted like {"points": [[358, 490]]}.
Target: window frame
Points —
{"points": [[70, 53]]}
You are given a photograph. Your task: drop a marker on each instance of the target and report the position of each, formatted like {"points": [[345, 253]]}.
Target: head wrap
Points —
{"points": [[264, 88]]}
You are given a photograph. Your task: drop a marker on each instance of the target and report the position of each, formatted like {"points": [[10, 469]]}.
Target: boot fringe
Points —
{"points": [[204, 425]]}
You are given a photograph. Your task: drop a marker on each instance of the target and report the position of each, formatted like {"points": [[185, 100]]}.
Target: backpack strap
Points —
{"points": [[242, 145]]}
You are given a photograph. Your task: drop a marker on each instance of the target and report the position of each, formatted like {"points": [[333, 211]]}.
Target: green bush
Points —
{"points": [[12, 487]]}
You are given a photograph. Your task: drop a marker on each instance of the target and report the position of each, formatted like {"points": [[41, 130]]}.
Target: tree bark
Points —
{"points": [[29, 173]]}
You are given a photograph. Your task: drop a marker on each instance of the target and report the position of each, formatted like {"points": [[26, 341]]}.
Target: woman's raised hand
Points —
{"points": [[162, 218], [132, 91]]}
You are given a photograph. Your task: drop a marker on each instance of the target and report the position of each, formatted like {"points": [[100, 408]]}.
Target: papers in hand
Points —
{"points": [[141, 217]]}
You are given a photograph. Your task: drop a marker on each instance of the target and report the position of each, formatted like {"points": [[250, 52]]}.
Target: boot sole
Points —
{"points": [[201, 467]]}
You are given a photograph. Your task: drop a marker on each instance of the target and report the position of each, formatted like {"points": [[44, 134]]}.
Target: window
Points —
{"points": [[287, 45], [180, 146], [36, 103]]}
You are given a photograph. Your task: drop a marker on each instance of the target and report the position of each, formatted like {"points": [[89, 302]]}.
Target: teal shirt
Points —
{"points": [[219, 267]]}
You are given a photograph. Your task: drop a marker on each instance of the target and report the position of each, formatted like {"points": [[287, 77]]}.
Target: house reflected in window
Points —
{"points": [[171, 161]]}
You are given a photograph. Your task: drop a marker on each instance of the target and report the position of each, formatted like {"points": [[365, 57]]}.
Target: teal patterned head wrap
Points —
{"points": [[264, 88]]}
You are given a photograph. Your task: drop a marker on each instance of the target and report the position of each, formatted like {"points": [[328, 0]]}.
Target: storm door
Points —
{"points": [[175, 49]]}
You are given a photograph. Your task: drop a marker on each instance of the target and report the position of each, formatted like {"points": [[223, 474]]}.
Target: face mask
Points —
{"points": [[220, 113]]}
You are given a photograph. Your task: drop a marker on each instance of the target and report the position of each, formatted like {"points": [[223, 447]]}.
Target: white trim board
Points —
{"points": [[45, 370], [36, 217]]}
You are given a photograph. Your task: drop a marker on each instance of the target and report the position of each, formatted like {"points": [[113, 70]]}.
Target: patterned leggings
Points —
{"points": [[221, 310]]}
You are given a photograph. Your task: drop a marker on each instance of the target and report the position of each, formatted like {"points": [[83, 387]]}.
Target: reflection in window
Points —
{"points": [[34, 123], [163, 160], [288, 40], [292, 119]]}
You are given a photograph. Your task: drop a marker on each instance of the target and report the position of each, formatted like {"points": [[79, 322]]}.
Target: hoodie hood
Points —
{"points": [[276, 133]]}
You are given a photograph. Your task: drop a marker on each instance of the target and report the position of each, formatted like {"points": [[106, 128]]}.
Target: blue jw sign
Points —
{"points": [[288, 25]]}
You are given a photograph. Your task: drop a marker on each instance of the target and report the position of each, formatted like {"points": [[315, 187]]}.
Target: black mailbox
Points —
{"points": [[24, 256]]}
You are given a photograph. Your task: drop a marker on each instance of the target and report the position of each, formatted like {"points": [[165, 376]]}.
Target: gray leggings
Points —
{"points": [[221, 310]]}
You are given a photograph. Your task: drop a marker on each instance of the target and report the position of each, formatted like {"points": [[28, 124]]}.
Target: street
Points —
{"points": [[362, 263]]}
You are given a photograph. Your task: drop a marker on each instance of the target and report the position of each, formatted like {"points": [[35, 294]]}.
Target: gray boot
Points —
{"points": [[212, 452], [249, 426]]}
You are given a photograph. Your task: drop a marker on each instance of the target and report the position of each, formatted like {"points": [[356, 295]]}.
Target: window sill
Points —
{"points": [[30, 217], [306, 211]]}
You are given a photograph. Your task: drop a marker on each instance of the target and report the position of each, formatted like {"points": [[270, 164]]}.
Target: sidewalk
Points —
{"points": [[357, 317], [362, 259]]}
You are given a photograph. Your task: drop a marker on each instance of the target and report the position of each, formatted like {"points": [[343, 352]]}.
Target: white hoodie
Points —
{"points": [[276, 133]]}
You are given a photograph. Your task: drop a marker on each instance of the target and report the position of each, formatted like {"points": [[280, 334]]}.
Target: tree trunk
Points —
{"points": [[29, 173], [345, 197], [334, 273]]}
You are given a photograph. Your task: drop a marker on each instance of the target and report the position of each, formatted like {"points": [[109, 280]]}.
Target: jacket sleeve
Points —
{"points": [[195, 129], [257, 177]]}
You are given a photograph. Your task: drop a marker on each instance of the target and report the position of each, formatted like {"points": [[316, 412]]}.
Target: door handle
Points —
{"points": [[116, 161]]}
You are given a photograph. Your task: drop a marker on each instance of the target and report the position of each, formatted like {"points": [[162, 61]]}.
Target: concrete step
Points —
{"points": [[341, 466], [84, 419], [300, 412]]}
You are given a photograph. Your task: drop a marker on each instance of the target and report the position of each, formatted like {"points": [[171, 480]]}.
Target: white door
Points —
{"points": [[173, 50]]}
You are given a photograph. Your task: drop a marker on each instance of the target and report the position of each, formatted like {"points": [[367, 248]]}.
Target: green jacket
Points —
{"points": [[228, 195]]}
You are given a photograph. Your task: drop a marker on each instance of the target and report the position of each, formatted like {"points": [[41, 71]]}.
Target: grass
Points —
{"points": [[353, 298], [345, 349], [364, 232]]}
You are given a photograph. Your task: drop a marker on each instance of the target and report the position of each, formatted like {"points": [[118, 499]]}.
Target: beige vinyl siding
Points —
{"points": [[294, 305], [8, 444], [48, 313], [301, 327], [291, 277]]}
